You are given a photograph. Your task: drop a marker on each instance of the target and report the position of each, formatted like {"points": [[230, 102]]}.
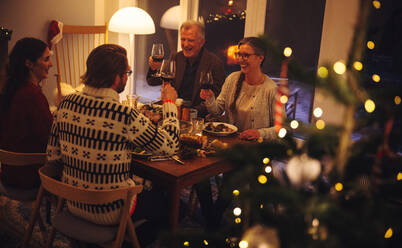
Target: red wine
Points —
{"points": [[206, 86], [157, 58]]}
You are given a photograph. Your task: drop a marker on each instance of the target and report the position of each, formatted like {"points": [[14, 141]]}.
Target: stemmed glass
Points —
{"points": [[206, 80], [168, 71], [157, 54]]}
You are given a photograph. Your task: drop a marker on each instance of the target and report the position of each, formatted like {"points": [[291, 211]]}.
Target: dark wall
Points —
{"points": [[298, 24]]}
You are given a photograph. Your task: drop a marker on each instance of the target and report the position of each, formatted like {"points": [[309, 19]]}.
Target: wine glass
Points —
{"points": [[168, 71], [206, 80], [157, 54]]}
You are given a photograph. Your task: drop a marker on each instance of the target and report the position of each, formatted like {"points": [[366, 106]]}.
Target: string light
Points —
{"points": [[284, 99], [268, 169], [230, 2], [294, 124], [317, 112], [262, 179], [377, 4], [236, 192], [339, 67], [287, 51], [237, 211], [338, 187], [358, 66], [388, 233], [261, 206], [315, 222], [322, 72], [238, 220], [282, 133], [370, 45], [243, 244], [399, 176], [205, 242], [320, 124], [376, 78], [369, 105], [397, 100], [266, 160], [186, 243]]}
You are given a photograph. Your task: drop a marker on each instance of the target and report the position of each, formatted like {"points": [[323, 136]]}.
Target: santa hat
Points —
{"points": [[55, 33]]}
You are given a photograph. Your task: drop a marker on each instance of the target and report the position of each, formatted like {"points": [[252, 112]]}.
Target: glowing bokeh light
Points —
{"points": [[322, 72], [205, 242], [370, 45], [262, 179], [287, 51], [315, 222], [320, 124], [358, 65], [377, 4], [284, 99], [266, 160], [389, 233], [339, 67], [268, 169], [282, 133], [376, 78], [294, 124], [237, 211], [338, 186], [243, 244], [397, 100], [236, 192], [238, 220], [399, 176], [186, 243], [261, 205], [317, 112], [369, 105]]}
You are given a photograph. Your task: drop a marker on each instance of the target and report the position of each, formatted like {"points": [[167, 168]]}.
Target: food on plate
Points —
{"points": [[218, 128], [193, 140], [218, 145], [154, 112]]}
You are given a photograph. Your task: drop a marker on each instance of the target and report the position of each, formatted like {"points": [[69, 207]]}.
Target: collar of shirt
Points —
{"points": [[101, 92], [197, 60]]}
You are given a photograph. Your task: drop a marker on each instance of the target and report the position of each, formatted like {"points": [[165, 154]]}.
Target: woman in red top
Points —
{"points": [[25, 118]]}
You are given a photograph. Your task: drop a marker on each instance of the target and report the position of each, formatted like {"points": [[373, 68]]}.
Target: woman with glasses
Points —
{"points": [[248, 96]]}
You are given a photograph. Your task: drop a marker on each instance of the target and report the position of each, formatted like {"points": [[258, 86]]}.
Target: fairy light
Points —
{"points": [[236, 192], [339, 67], [230, 2], [261, 206], [205, 242], [377, 4], [322, 72], [369, 105], [238, 220], [315, 222], [283, 99], [320, 124], [388, 233], [243, 244], [282, 133], [266, 160], [268, 169], [262, 179], [358, 65], [186, 243], [397, 100], [237, 211], [338, 187], [370, 45], [399, 176], [317, 112], [287, 51], [376, 78], [294, 124]]}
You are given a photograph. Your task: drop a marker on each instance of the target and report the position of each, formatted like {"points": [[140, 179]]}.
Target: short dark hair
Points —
{"points": [[103, 64], [257, 44]]}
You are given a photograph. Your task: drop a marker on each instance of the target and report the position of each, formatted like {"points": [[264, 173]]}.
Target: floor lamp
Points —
{"points": [[131, 20]]}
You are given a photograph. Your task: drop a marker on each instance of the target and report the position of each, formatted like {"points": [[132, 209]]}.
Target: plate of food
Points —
{"points": [[140, 152], [219, 128]]}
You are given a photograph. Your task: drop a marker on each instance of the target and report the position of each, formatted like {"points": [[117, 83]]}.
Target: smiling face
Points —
{"points": [[40, 68], [191, 41], [249, 61]]}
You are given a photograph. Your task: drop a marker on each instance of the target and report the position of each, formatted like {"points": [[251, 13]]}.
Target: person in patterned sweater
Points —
{"points": [[93, 133]]}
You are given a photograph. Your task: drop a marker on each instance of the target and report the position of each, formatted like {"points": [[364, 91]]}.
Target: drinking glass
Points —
{"points": [[198, 125], [168, 71], [206, 80], [157, 52]]}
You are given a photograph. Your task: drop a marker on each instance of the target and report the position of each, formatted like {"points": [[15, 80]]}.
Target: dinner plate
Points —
{"points": [[232, 127]]}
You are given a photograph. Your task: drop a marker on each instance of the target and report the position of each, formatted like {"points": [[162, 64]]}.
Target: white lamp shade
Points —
{"points": [[132, 20], [171, 18]]}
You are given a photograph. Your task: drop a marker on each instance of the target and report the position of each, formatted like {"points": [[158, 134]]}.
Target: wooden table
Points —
{"points": [[176, 176]]}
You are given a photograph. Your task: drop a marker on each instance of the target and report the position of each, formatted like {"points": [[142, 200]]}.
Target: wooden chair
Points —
{"points": [[72, 52], [292, 103], [25, 196], [77, 228]]}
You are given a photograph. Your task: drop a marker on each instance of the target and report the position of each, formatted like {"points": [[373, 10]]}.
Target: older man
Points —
{"points": [[190, 62]]}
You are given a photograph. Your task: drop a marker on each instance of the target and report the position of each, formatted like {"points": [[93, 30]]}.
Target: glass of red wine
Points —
{"points": [[168, 71], [206, 80], [157, 54]]}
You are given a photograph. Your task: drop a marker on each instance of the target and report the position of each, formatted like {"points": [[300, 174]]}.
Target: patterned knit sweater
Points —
{"points": [[92, 136]]}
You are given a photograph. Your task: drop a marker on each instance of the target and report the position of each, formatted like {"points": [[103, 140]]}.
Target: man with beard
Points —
{"points": [[190, 62], [93, 134]]}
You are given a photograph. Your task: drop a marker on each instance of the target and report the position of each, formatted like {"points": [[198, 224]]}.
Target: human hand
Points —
{"points": [[154, 64], [206, 94], [168, 92], [250, 134]]}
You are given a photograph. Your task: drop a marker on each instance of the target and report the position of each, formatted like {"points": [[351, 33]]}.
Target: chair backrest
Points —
{"points": [[21, 159], [72, 51]]}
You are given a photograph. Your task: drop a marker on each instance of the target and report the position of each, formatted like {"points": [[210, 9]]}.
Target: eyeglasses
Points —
{"points": [[129, 73], [244, 55]]}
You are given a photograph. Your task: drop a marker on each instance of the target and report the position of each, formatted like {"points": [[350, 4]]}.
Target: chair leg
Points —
{"points": [[50, 238], [133, 234], [42, 228], [32, 219]]}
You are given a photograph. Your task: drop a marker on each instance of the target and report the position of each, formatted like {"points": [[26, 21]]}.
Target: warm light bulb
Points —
{"points": [[322, 72], [370, 45], [238, 220], [236, 192], [294, 124], [237, 211], [284, 99], [315, 222], [243, 244], [399, 176], [388, 233], [261, 205], [205, 242], [287, 51], [369, 105], [317, 112], [358, 66], [339, 67], [282, 133], [338, 186], [320, 124], [376, 78], [265, 160], [397, 100], [186, 243], [268, 169], [377, 4], [262, 179]]}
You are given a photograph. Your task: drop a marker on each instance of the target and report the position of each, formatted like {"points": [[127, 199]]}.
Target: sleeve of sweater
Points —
{"points": [[53, 146]]}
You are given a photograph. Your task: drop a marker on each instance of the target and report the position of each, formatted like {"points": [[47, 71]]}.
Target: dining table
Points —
{"points": [[175, 176]]}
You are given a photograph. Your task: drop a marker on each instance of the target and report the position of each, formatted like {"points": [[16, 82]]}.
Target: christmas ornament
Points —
{"points": [[302, 169]]}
